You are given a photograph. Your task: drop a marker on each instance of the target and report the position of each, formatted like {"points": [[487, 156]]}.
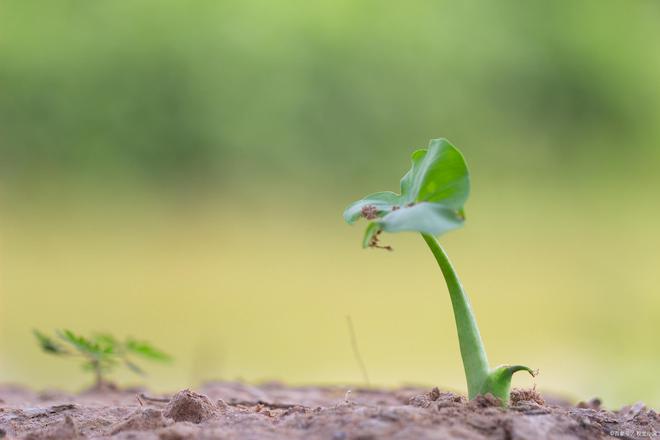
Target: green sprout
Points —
{"points": [[431, 202], [100, 353]]}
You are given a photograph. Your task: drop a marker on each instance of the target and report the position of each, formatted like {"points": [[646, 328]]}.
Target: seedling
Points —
{"points": [[431, 202], [101, 353]]}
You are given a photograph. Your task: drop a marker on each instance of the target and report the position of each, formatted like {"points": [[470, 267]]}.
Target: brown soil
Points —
{"points": [[229, 410]]}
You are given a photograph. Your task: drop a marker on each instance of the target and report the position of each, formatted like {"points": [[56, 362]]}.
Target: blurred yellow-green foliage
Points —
{"points": [[177, 171]]}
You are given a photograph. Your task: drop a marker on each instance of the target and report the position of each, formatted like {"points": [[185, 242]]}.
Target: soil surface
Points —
{"points": [[229, 410]]}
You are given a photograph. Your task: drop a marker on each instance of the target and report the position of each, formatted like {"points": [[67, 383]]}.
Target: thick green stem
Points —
{"points": [[480, 378], [473, 352]]}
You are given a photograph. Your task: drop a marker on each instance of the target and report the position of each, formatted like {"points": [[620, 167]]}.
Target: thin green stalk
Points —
{"points": [[480, 378], [473, 352]]}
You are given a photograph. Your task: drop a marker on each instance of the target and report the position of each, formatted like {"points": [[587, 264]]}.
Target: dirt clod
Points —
{"points": [[188, 406], [519, 395]]}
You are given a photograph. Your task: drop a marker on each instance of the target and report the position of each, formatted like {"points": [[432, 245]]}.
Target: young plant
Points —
{"points": [[100, 353], [431, 202]]}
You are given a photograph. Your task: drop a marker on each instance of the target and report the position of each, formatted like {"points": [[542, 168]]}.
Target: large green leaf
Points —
{"points": [[429, 218], [433, 193], [439, 174]]}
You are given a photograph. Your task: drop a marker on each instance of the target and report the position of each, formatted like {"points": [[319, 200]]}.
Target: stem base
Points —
{"points": [[498, 381]]}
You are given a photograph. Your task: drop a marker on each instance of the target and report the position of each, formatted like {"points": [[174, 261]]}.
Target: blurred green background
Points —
{"points": [[177, 171]]}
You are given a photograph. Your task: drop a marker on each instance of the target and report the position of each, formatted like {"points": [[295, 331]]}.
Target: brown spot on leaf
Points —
{"points": [[369, 212]]}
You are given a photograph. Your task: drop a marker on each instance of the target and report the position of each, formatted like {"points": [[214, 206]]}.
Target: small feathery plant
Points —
{"points": [[101, 353]]}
